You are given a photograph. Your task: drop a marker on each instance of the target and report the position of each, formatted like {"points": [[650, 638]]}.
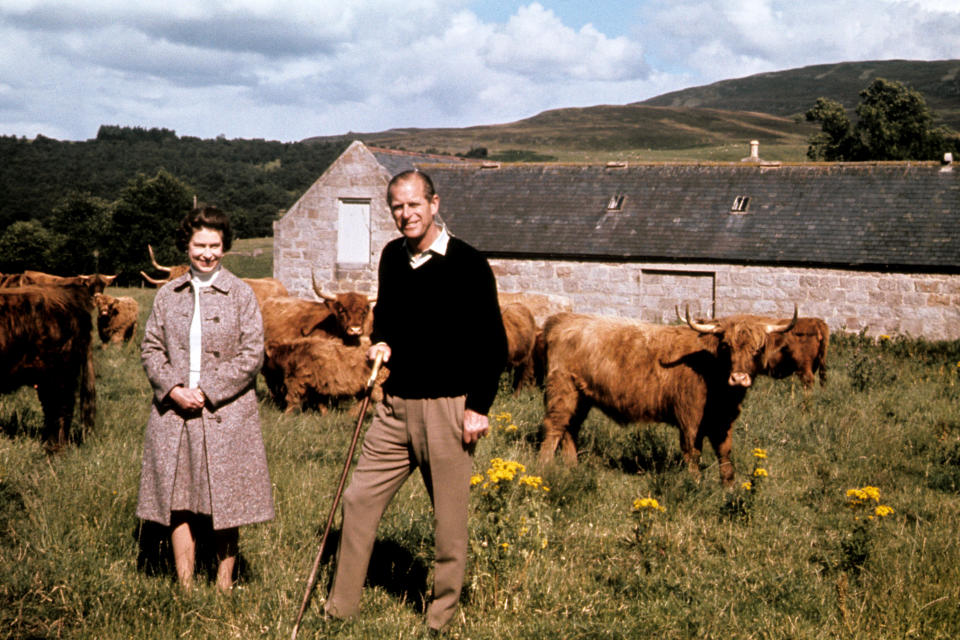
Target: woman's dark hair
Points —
{"points": [[204, 218], [428, 189]]}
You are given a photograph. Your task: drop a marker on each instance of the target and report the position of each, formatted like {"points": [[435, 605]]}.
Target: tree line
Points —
{"points": [[83, 207]]}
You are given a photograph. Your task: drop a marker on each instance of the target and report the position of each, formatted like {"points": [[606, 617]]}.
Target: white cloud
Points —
{"points": [[732, 38], [290, 69], [536, 43]]}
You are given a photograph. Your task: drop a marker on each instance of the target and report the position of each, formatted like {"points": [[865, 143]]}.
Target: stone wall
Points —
{"points": [[882, 303]]}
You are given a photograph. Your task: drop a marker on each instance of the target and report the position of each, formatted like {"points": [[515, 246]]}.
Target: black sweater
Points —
{"points": [[443, 325]]}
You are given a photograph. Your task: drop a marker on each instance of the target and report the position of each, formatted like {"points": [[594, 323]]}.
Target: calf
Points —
{"points": [[694, 377], [117, 318], [45, 338], [313, 371]]}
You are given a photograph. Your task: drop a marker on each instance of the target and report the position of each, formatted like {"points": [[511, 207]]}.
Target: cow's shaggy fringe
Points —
{"points": [[70, 543]]}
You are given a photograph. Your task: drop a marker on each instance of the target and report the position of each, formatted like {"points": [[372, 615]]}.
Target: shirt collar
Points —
{"points": [[438, 246], [199, 280]]}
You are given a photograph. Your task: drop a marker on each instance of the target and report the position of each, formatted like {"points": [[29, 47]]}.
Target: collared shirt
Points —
{"points": [[438, 246]]}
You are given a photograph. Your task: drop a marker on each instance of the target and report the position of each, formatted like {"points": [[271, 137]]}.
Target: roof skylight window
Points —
{"points": [[740, 204]]}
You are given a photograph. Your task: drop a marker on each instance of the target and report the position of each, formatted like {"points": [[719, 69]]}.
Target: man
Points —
{"points": [[438, 324]]}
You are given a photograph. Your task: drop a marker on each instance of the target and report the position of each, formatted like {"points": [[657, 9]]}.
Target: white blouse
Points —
{"points": [[198, 281]]}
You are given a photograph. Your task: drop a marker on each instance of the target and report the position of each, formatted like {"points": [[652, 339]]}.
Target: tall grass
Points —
{"points": [[783, 564]]}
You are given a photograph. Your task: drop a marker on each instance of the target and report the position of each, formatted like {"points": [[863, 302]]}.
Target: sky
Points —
{"points": [[290, 69]]}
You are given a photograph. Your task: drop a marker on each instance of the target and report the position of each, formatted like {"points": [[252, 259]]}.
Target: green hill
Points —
{"points": [[629, 132], [792, 92], [712, 122]]}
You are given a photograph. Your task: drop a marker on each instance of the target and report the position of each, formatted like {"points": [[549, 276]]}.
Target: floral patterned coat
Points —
{"points": [[240, 489]]}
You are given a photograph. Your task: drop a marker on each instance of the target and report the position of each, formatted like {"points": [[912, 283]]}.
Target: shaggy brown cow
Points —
{"points": [[802, 350], [521, 333], [45, 338], [310, 372], [694, 377], [541, 305], [95, 283], [172, 272], [340, 316], [286, 319], [265, 288], [116, 318], [351, 310]]}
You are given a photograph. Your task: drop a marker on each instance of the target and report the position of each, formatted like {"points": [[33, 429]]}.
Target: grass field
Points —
{"points": [[789, 558]]}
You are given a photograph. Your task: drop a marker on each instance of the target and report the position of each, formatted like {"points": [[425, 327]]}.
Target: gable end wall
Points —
{"points": [[305, 238]]}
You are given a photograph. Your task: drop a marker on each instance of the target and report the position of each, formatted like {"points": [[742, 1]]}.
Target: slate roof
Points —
{"points": [[396, 161], [896, 216]]}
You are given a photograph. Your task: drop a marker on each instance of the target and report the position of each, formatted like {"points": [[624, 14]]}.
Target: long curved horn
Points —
{"points": [[782, 327], [696, 326], [154, 261], [319, 290], [154, 281]]}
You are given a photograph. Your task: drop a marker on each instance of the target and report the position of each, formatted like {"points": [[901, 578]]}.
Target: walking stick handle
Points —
{"points": [[375, 370]]}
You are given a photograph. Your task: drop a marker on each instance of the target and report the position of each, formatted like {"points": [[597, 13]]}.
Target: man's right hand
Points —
{"points": [[380, 347]]}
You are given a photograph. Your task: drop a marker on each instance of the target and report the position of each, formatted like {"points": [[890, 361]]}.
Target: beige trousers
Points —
{"points": [[406, 434]]}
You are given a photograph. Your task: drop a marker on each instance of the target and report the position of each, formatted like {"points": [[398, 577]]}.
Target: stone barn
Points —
{"points": [[866, 246]]}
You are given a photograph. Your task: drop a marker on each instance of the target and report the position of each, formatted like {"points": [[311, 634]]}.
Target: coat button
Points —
{"points": [[216, 318], [218, 419], [216, 354]]}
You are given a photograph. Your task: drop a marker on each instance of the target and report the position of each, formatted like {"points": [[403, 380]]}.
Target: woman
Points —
{"points": [[203, 452]]}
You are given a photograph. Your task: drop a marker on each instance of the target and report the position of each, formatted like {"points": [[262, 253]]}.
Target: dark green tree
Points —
{"points": [[24, 245], [81, 225], [147, 212], [893, 123], [836, 141]]}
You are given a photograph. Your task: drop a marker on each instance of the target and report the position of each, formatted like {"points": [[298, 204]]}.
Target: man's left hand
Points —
{"points": [[475, 426]]}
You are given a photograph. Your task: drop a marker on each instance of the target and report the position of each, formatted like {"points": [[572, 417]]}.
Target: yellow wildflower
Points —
{"points": [[475, 479], [760, 472], [883, 511], [747, 486], [531, 481], [760, 454], [640, 504]]}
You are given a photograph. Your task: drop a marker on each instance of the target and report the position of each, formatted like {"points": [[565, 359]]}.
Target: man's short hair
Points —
{"points": [[428, 189]]}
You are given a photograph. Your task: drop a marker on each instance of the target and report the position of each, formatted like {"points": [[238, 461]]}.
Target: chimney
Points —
{"points": [[754, 152]]}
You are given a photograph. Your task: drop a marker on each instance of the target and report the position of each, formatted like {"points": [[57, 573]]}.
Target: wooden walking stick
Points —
{"points": [[312, 580]]}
